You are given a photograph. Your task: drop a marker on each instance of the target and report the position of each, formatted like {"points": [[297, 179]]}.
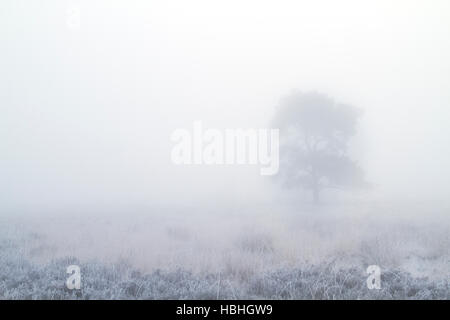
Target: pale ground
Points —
{"points": [[241, 241]]}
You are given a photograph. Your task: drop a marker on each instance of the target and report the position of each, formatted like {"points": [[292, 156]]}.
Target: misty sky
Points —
{"points": [[86, 112]]}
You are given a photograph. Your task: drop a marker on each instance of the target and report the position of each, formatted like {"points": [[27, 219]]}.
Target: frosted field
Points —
{"points": [[234, 253]]}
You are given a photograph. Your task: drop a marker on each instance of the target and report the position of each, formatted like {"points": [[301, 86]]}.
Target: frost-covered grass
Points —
{"points": [[19, 279], [203, 255]]}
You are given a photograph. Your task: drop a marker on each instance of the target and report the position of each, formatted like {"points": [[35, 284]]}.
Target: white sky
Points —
{"points": [[86, 115]]}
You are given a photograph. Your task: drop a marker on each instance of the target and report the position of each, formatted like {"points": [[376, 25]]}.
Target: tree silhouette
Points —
{"points": [[314, 134]]}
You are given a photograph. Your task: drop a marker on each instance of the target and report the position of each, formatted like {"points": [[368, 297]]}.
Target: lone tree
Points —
{"points": [[314, 134]]}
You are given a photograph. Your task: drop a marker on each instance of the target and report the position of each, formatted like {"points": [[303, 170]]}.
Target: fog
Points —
{"points": [[93, 90]]}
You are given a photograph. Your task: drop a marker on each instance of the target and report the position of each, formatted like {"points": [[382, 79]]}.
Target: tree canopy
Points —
{"points": [[314, 136]]}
